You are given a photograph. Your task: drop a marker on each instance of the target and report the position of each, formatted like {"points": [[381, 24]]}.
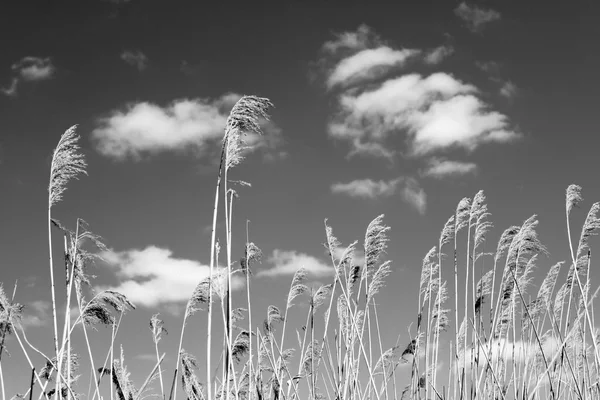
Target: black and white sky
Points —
{"points": [[381, 107]]}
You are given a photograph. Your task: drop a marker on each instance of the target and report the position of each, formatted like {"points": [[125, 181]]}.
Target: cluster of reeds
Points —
{"points": [[506, 342]]}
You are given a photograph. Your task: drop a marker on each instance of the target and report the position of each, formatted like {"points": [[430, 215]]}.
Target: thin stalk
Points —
{"points": [[52, 290], [250, 360]]}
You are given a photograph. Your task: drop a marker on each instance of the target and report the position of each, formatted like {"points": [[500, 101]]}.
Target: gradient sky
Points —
{"points": [[395, 108]]}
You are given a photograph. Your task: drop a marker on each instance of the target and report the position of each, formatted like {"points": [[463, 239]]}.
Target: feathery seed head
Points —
{"points": [[245, 117], [463, 210], [375, 242], [573, 197], [157, 328], [67, 164]]}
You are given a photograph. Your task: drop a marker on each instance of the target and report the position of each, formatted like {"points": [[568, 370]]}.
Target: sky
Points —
{"points": [[395, 108]]}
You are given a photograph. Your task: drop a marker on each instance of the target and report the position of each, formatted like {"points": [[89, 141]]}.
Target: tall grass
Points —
{"points": [[509, 341]]}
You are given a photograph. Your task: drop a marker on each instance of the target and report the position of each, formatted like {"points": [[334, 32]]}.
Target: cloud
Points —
{"points": [[438, 54], [136, 59], [439, 168], [350, 40], [152, 276], [358, 259], [196, 124], [413, 194], [491, 67], [366, 188], [36, 314], [29, 69], [509, 90], [435, 113], [11, 90], [502, 349], [368, 64], [34, 68], [475, 18], [288, 262], [408, 187], [461, 121]]}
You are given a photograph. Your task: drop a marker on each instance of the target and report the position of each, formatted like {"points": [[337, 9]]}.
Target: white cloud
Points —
{"points": [[523, 351], [359, 255], [183, 124], [350, 40], [366, 188], [136, 59], [152, 276], [29, 69], [36, 314], [438, 54], [509, 90], [368, 64], [409, 188], [435, 112], [11, 90], [288, 262], [413, 194], [34, 68], [461, 121], [475, 18], [442, 168]]}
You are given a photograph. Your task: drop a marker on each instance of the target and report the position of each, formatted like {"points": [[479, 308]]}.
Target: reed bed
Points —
{"points": [[499, 339]]}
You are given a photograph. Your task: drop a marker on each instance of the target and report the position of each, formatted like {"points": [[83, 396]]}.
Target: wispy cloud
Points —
{"points": [[408, 187], [509, 90], [11, 90], [147, 128], [491, 67], [475, 17], [438, 54], [34, 68], [368, 64], [434, 113], [366, 188], [152, 276], [415, 195], [29, 69], [350, 40], [36, 314], [136, 59], [288, 262], [440, 168]]}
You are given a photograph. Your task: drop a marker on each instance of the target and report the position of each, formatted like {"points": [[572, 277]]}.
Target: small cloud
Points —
{"points": [[476, 18], [359, 255], [443, 168], [491, 67], [29, 69], [34, 68], [11, 90], [36, 314], [409, 188], [136, 59], [184, 124], [438, 54], [350, 40], [288, 262], [146, 357], [366, 188], [152, 276], [509, 90], [368, 64], [413, 194]]}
